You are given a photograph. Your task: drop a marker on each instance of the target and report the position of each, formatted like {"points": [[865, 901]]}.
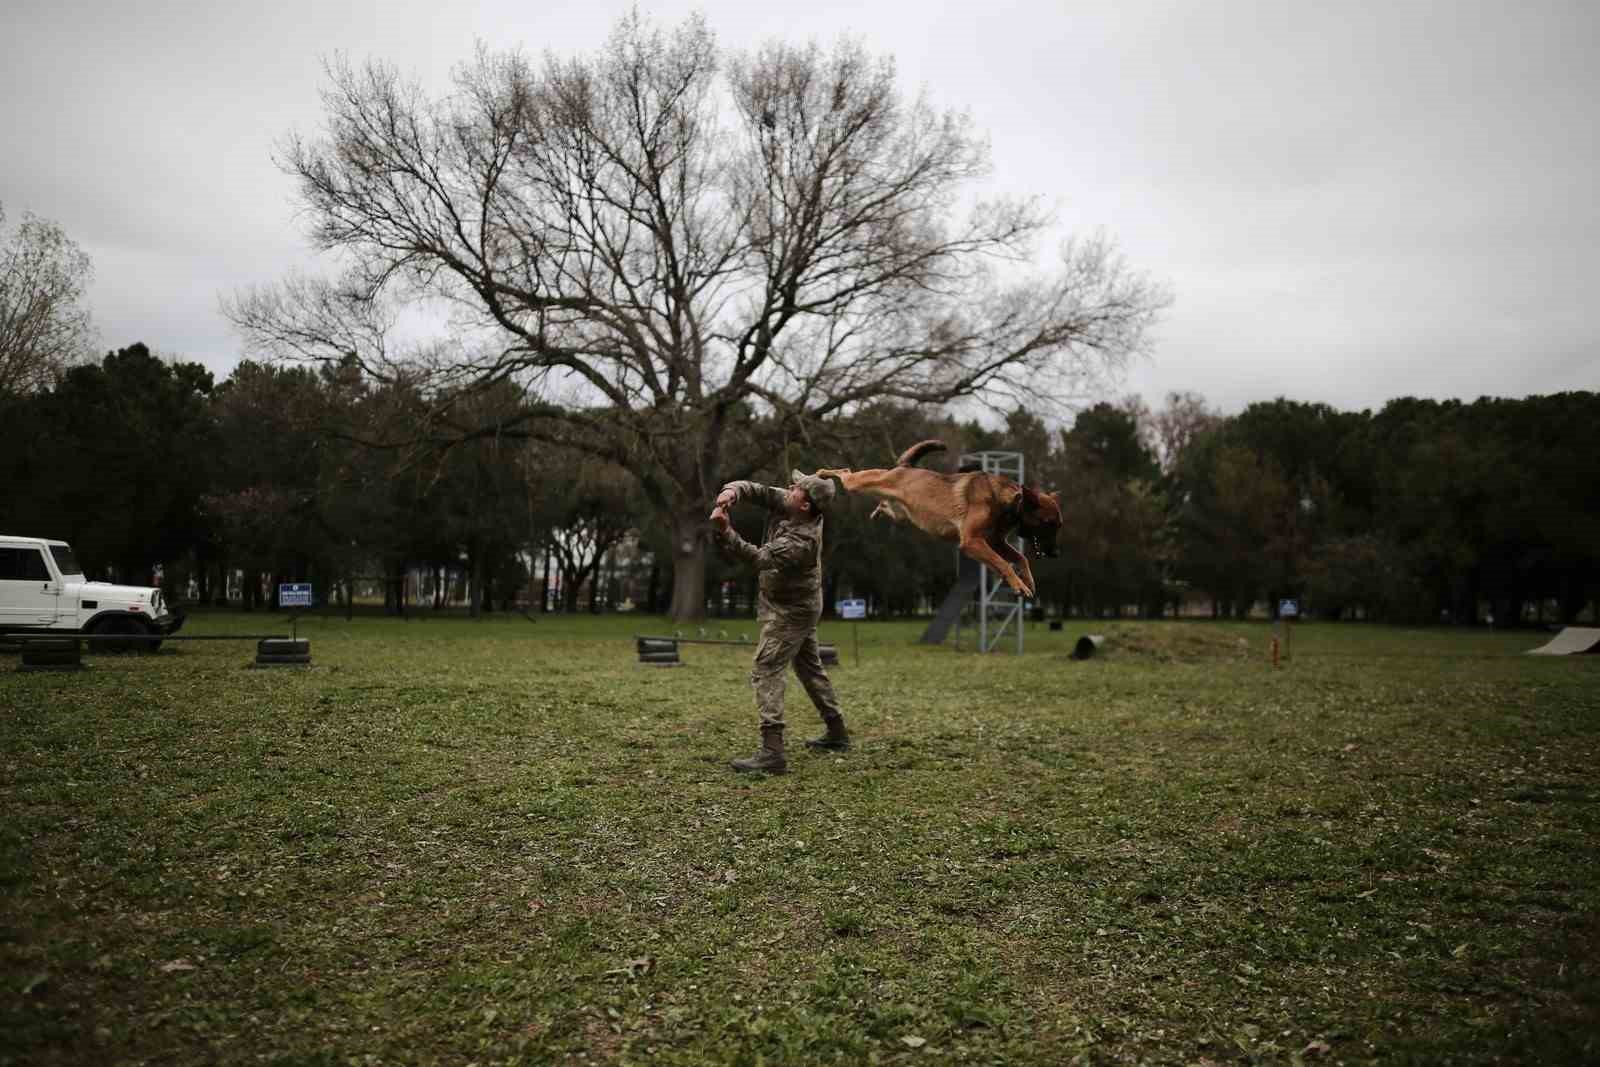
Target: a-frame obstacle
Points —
{"points": [[998, 608]]}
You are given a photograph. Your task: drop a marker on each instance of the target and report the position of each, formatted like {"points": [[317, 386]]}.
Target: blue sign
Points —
{"points": [[1288, 609], [852, 609], [294, 595]]}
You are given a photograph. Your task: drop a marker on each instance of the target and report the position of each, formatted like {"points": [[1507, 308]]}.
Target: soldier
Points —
{"points": [[790, 564]]}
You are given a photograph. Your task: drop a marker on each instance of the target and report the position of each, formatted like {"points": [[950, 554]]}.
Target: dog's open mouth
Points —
{"points": [[1040, 547]]}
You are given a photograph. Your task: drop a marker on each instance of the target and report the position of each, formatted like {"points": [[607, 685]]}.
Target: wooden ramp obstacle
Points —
{"points": [[1571, 641]]}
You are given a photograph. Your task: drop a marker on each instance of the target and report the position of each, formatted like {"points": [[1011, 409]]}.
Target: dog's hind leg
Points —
{"points": [[856, 481]]}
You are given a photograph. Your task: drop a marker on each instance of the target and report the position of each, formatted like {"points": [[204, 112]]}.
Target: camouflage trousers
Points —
{"points": [[782, 643]]}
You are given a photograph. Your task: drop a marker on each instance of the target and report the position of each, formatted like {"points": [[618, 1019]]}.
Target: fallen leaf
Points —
{"points": [[1459, 951], [36, 983], [1316, 1048], [913, 1041], [635, 968], [176, 965]]}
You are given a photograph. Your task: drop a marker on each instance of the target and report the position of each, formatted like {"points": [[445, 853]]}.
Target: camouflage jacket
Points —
{"points": [[789, 561]]}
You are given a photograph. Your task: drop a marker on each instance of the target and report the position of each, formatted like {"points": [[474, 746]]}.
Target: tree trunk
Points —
{"points": [[1572, 597], [544, 590], [475, 584], [688, 567]]}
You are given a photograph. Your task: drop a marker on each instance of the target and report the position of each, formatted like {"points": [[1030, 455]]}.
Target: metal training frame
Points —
{"points": [[997, 607]]}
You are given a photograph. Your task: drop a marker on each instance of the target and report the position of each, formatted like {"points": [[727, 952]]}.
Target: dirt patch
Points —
{"points": [[1171, 644]]}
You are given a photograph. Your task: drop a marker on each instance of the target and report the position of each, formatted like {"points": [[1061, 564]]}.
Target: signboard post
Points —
{"points": [[294, 595], [1288, 611], [854, 610]]}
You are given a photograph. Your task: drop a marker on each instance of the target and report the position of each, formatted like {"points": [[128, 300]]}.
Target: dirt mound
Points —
{"points": [[1171, 644]]}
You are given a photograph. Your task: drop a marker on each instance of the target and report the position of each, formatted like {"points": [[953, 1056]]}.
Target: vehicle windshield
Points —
{"points": [[66, 562]]}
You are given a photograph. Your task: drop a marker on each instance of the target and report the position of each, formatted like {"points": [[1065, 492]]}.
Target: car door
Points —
{"points": [[29, 593]]}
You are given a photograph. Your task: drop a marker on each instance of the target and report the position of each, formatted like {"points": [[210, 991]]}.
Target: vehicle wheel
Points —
{"points": [[120, 625]]}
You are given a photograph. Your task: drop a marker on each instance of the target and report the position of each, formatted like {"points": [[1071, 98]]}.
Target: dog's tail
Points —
{"points": [[917, 451]]}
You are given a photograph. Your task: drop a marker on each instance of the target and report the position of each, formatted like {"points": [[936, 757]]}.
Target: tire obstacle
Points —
{"points": [[663, 651], [64, 652], [283, 652]]}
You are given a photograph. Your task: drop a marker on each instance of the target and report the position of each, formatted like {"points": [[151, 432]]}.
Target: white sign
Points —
{"points": [[294, 595], [852, 609], [1289, 609]]}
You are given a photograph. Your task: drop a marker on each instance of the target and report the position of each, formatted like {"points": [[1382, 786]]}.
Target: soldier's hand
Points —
{"points": [[726, 498], [719, 519]]}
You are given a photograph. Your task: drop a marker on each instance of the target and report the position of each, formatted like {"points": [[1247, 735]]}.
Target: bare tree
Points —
{"points": [[596, 513], [1170, 430], [663, 239], [44, 327]]}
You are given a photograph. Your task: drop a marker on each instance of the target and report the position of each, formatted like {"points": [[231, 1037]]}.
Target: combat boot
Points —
{"points": [[769, 757], [837, 739]]}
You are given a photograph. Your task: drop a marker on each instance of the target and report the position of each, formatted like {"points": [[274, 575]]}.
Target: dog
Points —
{"points": [[974, 509]]}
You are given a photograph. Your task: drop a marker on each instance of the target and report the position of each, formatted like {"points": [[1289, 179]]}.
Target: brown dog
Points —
{"points": [[973, 509]]}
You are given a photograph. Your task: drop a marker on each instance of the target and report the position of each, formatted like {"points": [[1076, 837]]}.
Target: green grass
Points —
{"points": [[497, 842]]}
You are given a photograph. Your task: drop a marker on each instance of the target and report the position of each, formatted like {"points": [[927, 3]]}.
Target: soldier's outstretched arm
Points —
{"points": [[728, 538], [768, 496], [784, 552]]}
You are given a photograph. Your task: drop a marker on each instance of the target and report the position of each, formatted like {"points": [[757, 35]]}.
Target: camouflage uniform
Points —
{"points": [[790, 565]]}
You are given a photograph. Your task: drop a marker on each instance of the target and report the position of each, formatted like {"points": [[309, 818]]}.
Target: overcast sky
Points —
{"points": [[1350, 201]]}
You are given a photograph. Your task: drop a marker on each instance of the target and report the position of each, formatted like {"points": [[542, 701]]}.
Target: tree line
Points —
{"points": [[1421, 511]]}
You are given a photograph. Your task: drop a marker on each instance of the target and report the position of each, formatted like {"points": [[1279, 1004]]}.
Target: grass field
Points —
{"points": [[488, 842]]}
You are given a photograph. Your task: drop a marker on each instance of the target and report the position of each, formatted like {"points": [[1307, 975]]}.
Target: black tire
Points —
{"points": [[55, 652], [121, 624]]}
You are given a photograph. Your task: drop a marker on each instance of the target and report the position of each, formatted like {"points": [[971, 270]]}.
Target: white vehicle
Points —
{"points": [[43, 590]]}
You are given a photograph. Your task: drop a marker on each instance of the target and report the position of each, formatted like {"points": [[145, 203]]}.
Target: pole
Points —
{"points": [[855, 628]]}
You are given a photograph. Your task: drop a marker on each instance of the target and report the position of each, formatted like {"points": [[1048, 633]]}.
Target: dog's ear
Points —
{"points": [[1030, 498]]}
